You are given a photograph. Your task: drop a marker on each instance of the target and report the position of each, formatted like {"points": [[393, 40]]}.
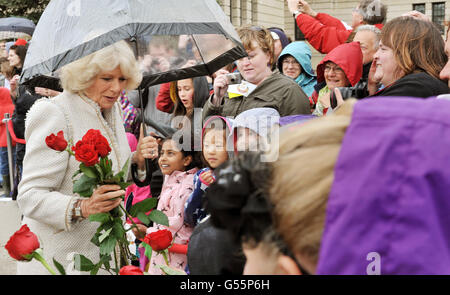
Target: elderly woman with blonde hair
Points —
{"points": [[92, 86]]}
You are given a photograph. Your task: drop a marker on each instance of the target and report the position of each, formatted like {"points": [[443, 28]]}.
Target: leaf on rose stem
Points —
{"points": [[143, 217], [159, 217], [84, 185], [124, 185], [94, 239], [118, 230], [107, 246], [90, 172], [126, 166], [76, 173], [148, 251], [82, 263], [104, 260], [101, 173], [143, 206], [59, 267], [171, 271], [104, 235], [100, 217]]}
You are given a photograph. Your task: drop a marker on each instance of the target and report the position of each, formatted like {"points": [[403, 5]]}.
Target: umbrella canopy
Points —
{"points": [[196, 30], [16, 27]]}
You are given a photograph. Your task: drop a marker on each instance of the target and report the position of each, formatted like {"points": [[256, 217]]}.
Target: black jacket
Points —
{"points": [[415, 85], [23, 102], [212, 251]]}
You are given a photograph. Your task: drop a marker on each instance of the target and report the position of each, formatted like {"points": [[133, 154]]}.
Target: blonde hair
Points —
{"points": [[302, 178], [78, 76], [249, 34]]}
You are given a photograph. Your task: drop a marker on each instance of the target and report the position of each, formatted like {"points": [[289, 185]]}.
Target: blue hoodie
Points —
{"points": [[302, 53]]}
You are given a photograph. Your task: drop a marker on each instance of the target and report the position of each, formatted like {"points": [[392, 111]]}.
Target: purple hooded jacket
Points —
{"points": [[389, 206]]}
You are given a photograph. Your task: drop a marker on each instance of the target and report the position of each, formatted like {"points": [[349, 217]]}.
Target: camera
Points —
{"points": [[234, 78], [358, 91]]}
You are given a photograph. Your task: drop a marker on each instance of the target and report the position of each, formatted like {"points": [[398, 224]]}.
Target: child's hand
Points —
{"points": [[139, 232], [207, 177]]}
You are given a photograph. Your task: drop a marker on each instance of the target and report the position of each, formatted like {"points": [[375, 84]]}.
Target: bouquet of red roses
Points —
{"points": [[95, 169]]}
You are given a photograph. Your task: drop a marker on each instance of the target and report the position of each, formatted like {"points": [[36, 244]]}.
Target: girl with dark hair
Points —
{"points": [[209, 251], [187, 95], [16, 57], [216, 150], [178, 163]]}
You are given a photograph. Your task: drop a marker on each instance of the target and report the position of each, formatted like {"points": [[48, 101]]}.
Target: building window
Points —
{"points": [[298, 34], [420, 7], [438, 15]]}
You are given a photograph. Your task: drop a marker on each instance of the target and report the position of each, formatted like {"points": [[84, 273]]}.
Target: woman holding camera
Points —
{"points": [[342, 67], [409, 59], [262, 87]]}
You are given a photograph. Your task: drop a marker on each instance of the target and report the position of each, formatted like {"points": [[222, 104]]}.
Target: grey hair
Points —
{"points": [[373, 29], [373, 11]]}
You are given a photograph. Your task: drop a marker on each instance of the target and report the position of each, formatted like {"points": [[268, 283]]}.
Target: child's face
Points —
{"points": [[247, 140], [185, 90], [172, 159], [214, 147]]}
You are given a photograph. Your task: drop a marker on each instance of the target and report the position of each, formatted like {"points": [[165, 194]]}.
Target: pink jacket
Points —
{"points": [[176, 189]]}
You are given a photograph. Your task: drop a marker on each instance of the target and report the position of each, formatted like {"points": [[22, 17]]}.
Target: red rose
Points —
{"points": [[100, 142], [56, 142], [130, 270], [22, 242], [85, 153], [159, 240]]}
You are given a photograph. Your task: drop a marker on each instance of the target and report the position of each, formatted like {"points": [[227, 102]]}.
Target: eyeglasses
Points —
{"points": [[335, 69], [291, 62]]}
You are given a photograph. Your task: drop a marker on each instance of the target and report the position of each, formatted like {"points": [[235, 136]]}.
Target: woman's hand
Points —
{"points": [[46, 92], [338, 95], [373, 79], [220, 87], [140, 231], [418, 15], [147, 148], [14, 84], [325, 100], [304, 7], [104, 199]]}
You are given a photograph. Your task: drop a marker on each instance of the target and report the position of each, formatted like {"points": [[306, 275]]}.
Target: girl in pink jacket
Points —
{"points": [[178, 167]]}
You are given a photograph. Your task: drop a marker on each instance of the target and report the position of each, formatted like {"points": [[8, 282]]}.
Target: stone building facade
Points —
{"points": [[274, 13]]}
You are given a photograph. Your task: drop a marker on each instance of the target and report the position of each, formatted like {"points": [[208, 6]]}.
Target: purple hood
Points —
{"points": [[391, 190]]}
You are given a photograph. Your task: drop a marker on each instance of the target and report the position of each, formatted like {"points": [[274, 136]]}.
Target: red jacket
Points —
{"points": [[163, 101], [324, 32], [6, 106]]}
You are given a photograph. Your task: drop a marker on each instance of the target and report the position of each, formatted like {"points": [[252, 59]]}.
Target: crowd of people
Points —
{"points": [[271, 165]]}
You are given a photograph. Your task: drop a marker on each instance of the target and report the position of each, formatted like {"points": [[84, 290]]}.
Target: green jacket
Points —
{"points": [[277, 91]]}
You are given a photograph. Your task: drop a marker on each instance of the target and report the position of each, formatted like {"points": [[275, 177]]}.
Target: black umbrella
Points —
{"points": [[16, 27], [196, 30]]}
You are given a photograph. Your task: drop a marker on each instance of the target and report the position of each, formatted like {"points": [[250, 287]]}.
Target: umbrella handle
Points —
{"points": [[148, 174]]}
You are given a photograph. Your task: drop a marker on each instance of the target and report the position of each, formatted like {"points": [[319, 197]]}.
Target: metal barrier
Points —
{"points": [[11, 165]]}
